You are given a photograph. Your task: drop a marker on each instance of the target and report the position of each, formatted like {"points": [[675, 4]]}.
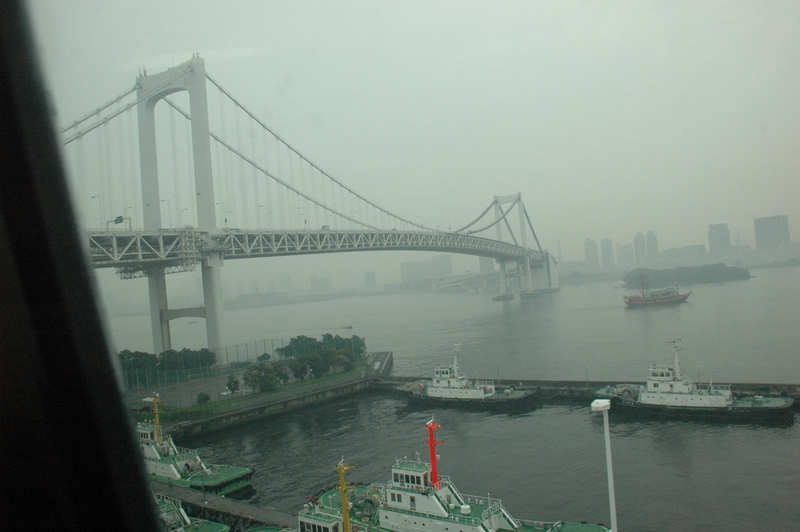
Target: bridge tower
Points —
{"points": [[189, 77], [523, 270]]}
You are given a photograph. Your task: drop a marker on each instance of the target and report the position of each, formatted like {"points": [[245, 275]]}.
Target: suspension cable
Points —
{"points": [[99, 110], [268, 174], [106, 120], [502, 218], [351, 191], [476, 220]]}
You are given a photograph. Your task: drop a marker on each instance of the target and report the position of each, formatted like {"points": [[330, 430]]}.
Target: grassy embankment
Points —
{"points": [[250, 400]]}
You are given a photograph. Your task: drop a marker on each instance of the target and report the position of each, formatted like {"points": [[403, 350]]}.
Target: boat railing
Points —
{"points": [[453, 518], [493, 506], [187, 455]]}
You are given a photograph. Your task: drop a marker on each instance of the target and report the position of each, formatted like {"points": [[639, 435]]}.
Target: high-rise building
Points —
{"points": [[625, 254], [286, 283], [486, 264], [438, 267], [590, 250], [651, 241], [639, 248], [607, 252], [719, 238], [772, 232]]}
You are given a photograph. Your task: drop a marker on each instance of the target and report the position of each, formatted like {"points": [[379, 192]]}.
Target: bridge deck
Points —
{"points": [[172, 247]]}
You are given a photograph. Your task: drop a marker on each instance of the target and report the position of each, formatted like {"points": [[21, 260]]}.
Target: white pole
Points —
{"points": [[604, 405], [611, 497]]}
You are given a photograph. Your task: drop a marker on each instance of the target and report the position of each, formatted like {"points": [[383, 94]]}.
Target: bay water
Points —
{"points": [[548, 463]]}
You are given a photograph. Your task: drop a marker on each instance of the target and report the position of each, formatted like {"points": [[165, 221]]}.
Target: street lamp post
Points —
{"points": [[266, 220], [587, 377], [604, 405], [169, 212], [99, 208], [223, 209]]}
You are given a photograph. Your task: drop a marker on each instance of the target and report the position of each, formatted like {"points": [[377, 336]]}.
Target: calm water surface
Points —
{"points": [[549, 463]]}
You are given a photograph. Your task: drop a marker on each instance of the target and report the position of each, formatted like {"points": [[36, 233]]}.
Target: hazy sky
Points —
{"points": [[609, 117]]}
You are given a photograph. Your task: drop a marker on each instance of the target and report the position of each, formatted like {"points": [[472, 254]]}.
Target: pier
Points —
{"points": [[235, 514]]}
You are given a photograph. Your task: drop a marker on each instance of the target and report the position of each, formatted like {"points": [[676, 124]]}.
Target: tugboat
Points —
{"points": [[451, 388], [168, 463], [669, 392], [416, 498]]}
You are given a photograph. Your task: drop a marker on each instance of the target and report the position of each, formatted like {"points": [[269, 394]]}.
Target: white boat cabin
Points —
{"points": [[448, 383], [667, 385], [164, 458]]}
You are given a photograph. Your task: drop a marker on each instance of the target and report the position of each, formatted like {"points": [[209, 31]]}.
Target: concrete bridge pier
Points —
{"points": [[157, 288], [212, 294]]}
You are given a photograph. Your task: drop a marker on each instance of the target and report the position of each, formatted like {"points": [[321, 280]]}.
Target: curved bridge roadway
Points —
{"points": [[182, 249]]}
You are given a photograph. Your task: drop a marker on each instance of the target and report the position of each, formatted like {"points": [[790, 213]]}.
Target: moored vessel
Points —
{"points": [[168, 463], [669, 392], [417, 499], [449, 387]]}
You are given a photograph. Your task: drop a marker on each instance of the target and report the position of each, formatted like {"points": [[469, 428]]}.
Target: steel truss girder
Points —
{"points": [[166, 248]]}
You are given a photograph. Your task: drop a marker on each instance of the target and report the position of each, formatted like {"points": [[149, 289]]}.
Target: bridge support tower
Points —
{"points": [[189, 77], [522, 270]]}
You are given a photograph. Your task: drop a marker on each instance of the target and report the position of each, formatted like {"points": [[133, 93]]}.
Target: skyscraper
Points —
{"points": [[625, 255], [719, 238], [652, 244], [590, 250], [607, 252], [639, 248], [772, 232]]}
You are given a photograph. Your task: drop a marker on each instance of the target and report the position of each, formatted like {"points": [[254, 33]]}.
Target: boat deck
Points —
{"points": [[332, 501], [226, 479], [748, 403]]}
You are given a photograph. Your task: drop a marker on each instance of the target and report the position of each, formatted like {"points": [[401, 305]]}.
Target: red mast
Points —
{"points": [[432, 443]]}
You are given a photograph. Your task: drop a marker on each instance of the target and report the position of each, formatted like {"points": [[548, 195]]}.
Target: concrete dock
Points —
{"points": [[235, 514]]}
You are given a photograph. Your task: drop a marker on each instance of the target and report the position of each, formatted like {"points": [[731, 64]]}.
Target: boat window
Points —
{"points": [[396, 477], [413, 502], [399, 498], [393, 497], [302, 526], [655, 385]]}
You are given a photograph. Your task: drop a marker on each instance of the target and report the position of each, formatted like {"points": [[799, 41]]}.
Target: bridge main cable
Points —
{"points": [[107, 119], [306, 159], [268, 174]]}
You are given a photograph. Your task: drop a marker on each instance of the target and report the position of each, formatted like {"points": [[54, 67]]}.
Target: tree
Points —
{"points": [[261, 378], [203, 398], [281, 371], [137, 359], [263, 358], [233, 383], [186, 359], [300, 345], [308, 366]]}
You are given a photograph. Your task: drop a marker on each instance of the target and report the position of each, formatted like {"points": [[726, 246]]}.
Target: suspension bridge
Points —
{"points": [[230, 188]]}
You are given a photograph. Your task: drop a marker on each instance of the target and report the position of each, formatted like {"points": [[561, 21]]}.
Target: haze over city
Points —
{"points": [[610, 118]]}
